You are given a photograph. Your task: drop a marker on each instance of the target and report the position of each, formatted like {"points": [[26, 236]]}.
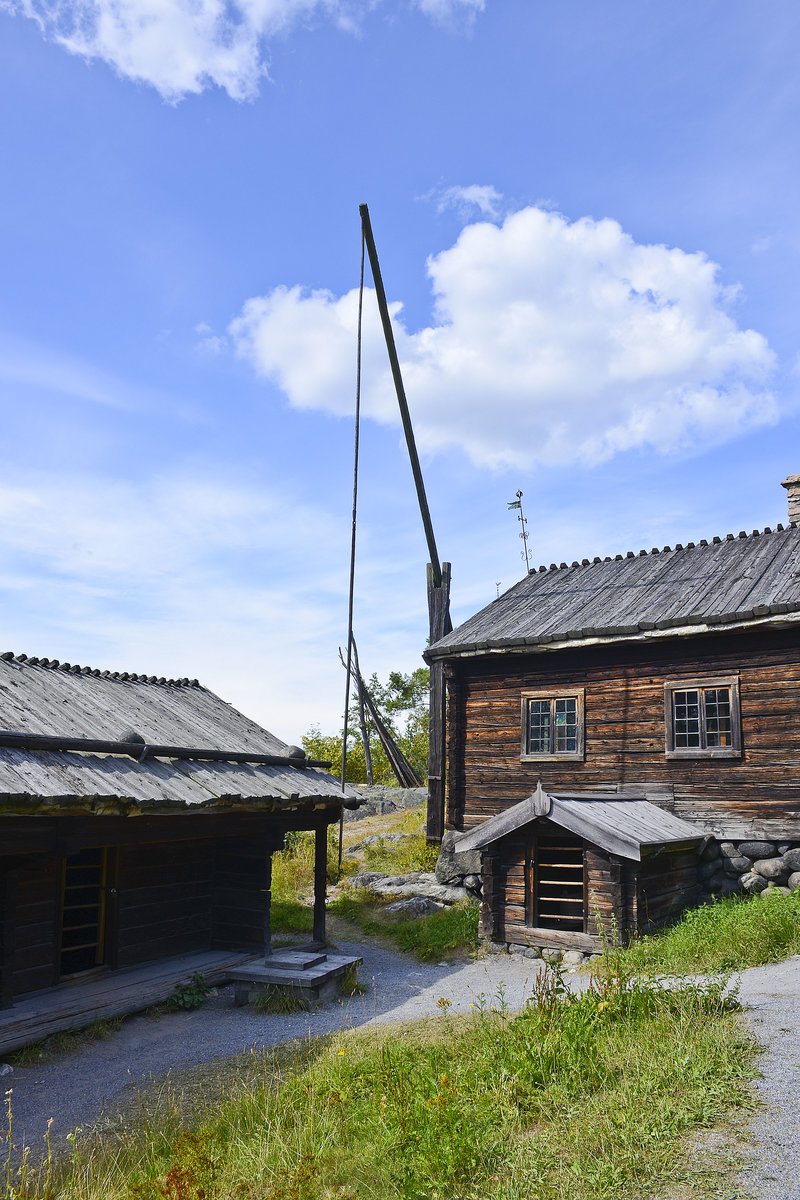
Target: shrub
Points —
{"points": [[187, 996]]}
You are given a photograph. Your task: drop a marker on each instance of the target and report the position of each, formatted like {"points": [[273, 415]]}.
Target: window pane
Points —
{"points": [[718, 716], [538, 726], [686, 717], [566, 725]]}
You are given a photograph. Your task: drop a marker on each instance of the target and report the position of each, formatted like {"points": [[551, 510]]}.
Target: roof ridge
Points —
{"points": [[53, 664], [715, 541]]}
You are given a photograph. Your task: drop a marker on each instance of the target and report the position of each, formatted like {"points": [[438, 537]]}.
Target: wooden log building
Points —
{"points": [[659, 688], [138, 817]]}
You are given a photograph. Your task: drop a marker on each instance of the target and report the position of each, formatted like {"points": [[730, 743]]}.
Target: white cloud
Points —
{"points": [[483, 197], [183, 46], [552, 341], [203, 576]]}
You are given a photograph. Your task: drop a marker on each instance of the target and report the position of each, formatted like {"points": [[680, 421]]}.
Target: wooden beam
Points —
{"points": [[439, 616], [320, 882], [268, 909]]}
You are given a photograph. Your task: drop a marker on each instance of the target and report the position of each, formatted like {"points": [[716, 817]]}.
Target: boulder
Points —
{"points": [[792, 859], [710, 851], [472, 883], [784, 847], [414, 906], [753, 883], [776, 891], [707, 869], [756, 850], [772, 869], [452, 866], [739, 865], [715, 882], [793, 882], [573, 958], [728, 849]]}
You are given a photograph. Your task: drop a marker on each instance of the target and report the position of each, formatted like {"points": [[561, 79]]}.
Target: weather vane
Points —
{"points": [[524, 523]]}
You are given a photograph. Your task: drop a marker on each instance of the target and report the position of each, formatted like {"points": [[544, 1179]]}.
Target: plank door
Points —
{"points": [[556, 883], [84, 905]]}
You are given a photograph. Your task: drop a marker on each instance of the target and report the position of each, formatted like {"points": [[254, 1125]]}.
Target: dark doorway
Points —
{"points": [[556, 891]]}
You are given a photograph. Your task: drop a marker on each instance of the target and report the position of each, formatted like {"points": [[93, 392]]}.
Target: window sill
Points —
{"points": [[727, 752], [551, 757]]}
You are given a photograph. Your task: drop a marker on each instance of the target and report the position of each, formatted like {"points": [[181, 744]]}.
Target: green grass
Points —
{"points": [[575, 1098], [453, 930], [397, 858], [727, 935], [68, 1042]]}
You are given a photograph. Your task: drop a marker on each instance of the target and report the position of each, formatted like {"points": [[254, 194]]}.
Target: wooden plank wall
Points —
{"points": [[35, 923], [666, 885], [165, 900], [624, 687], [240, 893]]}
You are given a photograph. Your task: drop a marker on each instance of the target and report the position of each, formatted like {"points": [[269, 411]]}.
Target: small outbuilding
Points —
{"points": [[138, 818], [566, 870]]}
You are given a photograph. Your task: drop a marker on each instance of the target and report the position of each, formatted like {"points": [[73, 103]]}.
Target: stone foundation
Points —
{"points": [[752, 865]]}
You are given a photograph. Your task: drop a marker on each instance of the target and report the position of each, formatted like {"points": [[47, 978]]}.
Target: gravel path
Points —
{"points": [[77, 1089], [772, 995]]}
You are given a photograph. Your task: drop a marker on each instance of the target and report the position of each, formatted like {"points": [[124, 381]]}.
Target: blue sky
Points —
{"points": [[588, 221]]}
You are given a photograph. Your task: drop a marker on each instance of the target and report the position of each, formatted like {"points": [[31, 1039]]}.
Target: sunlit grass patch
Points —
{"points": [[585, 1097], [725, 935], [453, 930]]}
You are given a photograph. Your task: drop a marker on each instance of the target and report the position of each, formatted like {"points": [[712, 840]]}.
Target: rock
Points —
{"points": [[451, 866], [496, 948], [710, 851], [773, 869], [756, 850], [365, 879], [551, 955], [472, 883], [792, 859], [375, 838], [739, 865], [6, 1069], [414, 906], [707, 869], [730, 886], [793, 882], [775, 891], [783, 848], [753, 883], [573, 958], [728, 849], [715, 882]]}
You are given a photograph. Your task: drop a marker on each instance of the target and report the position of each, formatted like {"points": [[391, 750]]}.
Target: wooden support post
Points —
{"points": [[439, 614], [320, 882], [268, 909]]}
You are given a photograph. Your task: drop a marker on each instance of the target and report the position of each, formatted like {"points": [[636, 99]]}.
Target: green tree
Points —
{"points": [[403, 706]]}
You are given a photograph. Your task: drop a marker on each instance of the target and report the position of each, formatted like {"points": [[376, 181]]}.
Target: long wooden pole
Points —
{"points": [[405, 416], [438, 579]]}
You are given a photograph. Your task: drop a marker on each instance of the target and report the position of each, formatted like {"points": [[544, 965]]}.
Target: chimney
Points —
{"points": [[792, 485]]}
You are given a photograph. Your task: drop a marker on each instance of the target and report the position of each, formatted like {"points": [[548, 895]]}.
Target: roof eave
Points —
{"points": [[538, 646]]}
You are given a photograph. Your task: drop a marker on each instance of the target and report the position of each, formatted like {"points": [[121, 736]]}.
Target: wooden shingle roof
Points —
{"points": [[632, 828], [63, 701], [681, 590]]}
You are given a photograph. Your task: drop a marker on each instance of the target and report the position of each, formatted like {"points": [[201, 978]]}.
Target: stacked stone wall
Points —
{"points": [[752, 865]]}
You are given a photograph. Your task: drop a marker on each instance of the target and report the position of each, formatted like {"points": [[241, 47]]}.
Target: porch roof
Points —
{"points": [[629, 827]]}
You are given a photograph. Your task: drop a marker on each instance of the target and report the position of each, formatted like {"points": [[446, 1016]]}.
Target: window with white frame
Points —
{"points": [[552, 725]]}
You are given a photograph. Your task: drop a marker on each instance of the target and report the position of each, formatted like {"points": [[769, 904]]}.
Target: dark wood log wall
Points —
{"points": [[624, 690], [240, 893], [36, 904], [165, 900]]}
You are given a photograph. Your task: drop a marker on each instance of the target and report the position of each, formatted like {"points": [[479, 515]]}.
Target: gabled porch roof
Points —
{"points": [[632, 828]]}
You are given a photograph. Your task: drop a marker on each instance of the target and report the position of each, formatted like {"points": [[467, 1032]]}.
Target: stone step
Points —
{"points": [[294, 960]]}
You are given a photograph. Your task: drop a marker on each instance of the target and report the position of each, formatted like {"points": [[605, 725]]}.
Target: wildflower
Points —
{"points": [[341, 1052], [602, 1006]]}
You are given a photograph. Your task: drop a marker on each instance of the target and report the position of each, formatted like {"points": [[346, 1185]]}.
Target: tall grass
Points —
{"points": [[583, 1097], [726, 935]]}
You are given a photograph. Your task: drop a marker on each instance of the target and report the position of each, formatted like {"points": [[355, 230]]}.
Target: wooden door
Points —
{"points": [[556, 887]]}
